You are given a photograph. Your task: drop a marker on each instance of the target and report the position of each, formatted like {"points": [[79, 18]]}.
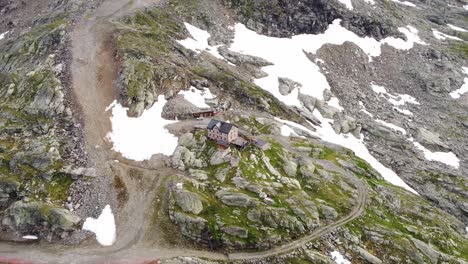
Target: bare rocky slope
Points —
{"points": [[295, 202]]}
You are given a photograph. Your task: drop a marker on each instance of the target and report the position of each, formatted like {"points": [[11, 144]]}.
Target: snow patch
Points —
{"points": [[391, 126], [364, 110], [379, 89], [406, 3], [290, 61], [396, 100], [372, 2], [338, 258], [457, 28], [402, 99], [441, 36], [448, 158], [347, 3], [404, 111], [197, 97], [2, 35], [464, 89], [29, 237], [199, 41], [142, 137], [103, 227]]}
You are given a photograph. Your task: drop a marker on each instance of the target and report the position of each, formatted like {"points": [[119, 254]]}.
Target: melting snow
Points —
{"points": [[406, 3], [464, 89], [287, 55], [2, 35], [103, 227], [457, 28], [142, 137], [441, 36], [338, 258], [347, 3], [448, 158], [197, 97], [199, 42], [392, 126]]}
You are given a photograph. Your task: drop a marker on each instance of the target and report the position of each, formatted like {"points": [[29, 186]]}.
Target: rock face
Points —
{"points": [[281, 18], [8, 193], [30, 218]]}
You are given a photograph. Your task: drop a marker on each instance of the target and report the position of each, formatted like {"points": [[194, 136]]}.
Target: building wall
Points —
{"points": [[215, 134]]}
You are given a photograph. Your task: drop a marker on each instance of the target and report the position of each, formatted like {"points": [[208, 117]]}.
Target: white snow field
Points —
{"points": [[199, 42], [287, 55], [442, 36], [464, 89], [197, 97], [103, 227], [338, 258], [142, 137]]}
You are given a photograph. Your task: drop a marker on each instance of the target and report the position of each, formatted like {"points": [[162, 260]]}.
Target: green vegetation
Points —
{"points": [[459, 49]]}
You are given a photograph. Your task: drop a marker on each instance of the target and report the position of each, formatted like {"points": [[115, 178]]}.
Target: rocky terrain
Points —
{"points": [[301, 200]]}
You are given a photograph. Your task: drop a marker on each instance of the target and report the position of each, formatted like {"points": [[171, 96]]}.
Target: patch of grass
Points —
{"points": [[459, 49], [122, 193]]}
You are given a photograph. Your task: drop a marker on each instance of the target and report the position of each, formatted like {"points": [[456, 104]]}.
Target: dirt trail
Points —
{"points": [[93, 72]]}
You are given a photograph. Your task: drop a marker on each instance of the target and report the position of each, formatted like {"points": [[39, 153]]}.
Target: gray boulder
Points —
{"points": [[233, 199], [328, 212], [31, 218], [286, 86], [189, 202], [192, 227]]}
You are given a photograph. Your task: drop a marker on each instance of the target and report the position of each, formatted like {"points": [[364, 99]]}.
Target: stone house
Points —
{"points": [[221, 132]]}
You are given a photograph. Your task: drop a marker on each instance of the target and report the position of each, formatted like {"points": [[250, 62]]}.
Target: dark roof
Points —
{"points": [[222, 126], [261, 142]]}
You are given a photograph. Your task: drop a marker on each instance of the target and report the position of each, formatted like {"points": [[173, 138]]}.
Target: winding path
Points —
{"points": [[93, 76]]}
